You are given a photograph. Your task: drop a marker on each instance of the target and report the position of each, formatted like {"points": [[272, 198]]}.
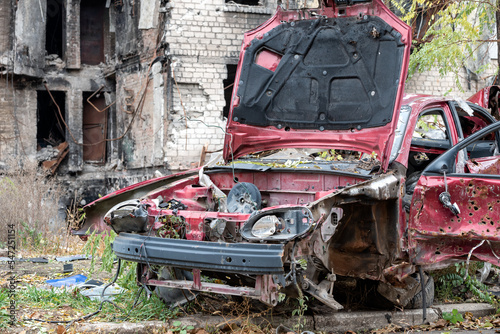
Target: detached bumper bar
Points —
{"points": [[261, 259]]}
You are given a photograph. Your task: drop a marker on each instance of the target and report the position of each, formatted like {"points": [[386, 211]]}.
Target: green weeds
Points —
{"points": [[455, 284], [453, 317], [178, 327], [299, 312]]}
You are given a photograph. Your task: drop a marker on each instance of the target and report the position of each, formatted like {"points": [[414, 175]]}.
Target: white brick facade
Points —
{"points": [[432, 83], [203, 37]]}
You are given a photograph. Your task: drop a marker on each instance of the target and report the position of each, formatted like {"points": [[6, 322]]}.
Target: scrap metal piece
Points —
{"points": [[226, 257], [128, 216], [382, 188], [171, 296], [400, 296], [265, 289], [52, 165], [72, 258], [219, 196], [244, 197], [319, 291]]}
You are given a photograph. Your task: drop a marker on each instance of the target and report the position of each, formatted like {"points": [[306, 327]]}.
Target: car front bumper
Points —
{"points": [[248, 258]]}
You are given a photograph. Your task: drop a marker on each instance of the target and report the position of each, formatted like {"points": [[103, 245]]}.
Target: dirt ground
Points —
{"points": [[223, 313], [52, 270]]}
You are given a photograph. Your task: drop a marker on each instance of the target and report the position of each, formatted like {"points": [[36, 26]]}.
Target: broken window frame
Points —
{"points": [[60, 25], [88, 55], [433, 143], [62, 97]]}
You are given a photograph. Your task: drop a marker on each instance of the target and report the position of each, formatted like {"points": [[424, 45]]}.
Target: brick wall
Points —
{"points": [[432, 83], [74, 111], [73, 34], [7, 132], [142, 93], [203, 38], [5, 26], [25, 102], [17, 121]]}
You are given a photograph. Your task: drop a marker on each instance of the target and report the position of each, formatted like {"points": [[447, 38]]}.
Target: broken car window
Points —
{"points": [[431, 126]]}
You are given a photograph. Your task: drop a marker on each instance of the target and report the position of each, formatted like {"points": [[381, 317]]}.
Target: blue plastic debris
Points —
{"points": [[67, 281]]}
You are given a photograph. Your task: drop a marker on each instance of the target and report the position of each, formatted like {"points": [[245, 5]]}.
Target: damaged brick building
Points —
{"points": [[105, 92]]}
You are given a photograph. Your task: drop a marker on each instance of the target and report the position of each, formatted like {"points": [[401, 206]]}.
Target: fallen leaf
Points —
{"points": [[201, 331], [60, 329], [34, 315], [440, 323]]}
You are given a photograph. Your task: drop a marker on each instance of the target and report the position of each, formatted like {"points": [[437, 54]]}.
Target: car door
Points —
{"points": [[455, 208], [470, 122]]}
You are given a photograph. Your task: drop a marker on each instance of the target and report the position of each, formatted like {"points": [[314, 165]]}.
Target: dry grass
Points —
{"points": [[29, 202]]}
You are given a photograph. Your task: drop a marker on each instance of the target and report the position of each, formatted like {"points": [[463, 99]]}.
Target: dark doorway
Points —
{"points": [[92, 31], [95, 128], [228, 87], [50, 129], [54, 27]]}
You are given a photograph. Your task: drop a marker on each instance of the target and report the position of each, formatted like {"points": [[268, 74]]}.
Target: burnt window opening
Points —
{"points": [[92, 27], [228, 87], [54, 27], [246, 2], [50, 128], [95, 128]]}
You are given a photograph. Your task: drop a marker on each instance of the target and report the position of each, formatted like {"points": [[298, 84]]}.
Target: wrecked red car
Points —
{"points": [[330, 176]]}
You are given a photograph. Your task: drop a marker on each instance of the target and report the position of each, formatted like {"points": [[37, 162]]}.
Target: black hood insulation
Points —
{"points": [[329, 74]]}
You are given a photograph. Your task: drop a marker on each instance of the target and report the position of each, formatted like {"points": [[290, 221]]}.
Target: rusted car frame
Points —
{"points": [[323, 190]]}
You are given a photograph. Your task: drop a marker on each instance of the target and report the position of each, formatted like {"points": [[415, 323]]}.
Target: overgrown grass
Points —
{"points": [[29, 200], [4, 312], [59, 304]]}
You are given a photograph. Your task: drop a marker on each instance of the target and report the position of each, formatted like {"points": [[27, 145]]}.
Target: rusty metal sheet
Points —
{"points": [[52, 165], [94, 130]]}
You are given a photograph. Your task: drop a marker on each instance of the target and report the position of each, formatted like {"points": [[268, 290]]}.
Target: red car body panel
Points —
{"points": [[437, 236], [482, 98], [243, 139]]}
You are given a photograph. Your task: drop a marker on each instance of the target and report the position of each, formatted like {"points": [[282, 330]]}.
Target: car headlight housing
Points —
{"points": [[265, 226], [282, 224]]}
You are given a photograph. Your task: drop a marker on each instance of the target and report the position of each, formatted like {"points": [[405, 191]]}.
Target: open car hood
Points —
{"points": [[329, 77]]}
